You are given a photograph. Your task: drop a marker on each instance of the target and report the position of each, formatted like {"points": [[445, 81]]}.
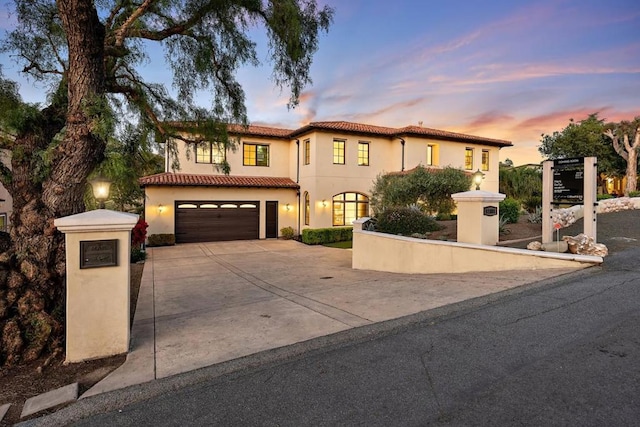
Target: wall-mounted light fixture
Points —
{"points": [[160, 209], [324, 203], [100, 186], [287, 207], [478, 176]]}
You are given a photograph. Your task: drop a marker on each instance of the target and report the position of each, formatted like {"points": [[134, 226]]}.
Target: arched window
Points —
{"points": [[347, 207], [307, 208]]}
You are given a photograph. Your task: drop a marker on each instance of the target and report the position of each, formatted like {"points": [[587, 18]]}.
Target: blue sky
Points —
{"points": [[503, 69]]}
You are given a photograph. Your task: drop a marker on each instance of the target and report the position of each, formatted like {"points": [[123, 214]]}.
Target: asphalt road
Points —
{"points": [[564, 352]]}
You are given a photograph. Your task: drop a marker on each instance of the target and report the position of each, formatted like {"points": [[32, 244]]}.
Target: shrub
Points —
{"points": [[139, 233], [320, 236], [634, 193], [604, 196], [137, 255], [161, 240], [287, 233], [510, 210], [536, 216], [532, 203], [405, 221]]}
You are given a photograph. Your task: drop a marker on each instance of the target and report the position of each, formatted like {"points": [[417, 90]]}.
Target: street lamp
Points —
{"points": [[100, 186], [477, 179]]}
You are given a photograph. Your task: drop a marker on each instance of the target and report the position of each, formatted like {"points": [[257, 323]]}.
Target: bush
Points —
{"points": [[634, 193], [287, 233], [320, 236], [604, 196], [532, 203], [137, 255], [405, 221], [510, 210], [161, 240], [139, 233]]}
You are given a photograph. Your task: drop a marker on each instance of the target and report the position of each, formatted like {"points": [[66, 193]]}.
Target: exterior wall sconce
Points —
{"points": [[288, 207], [324, 203], [160, 209], [478, 176], [100, 186]]}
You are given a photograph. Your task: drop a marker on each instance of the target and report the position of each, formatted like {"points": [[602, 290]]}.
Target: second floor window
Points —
{"points": [[430, 155], [255, 155], [363, 154], [209, 152], [468, 159], [338, 152], [485, 160], [307, 152]]}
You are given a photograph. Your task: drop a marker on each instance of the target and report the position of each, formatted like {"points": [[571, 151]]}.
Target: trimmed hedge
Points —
{"points": [[320, 236], [161, 240], [405, 221]]}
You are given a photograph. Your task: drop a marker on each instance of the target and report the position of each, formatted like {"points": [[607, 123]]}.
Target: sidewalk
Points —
{"points": [[204, 304]]}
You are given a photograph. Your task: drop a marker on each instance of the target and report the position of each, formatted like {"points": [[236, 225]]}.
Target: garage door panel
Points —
{"points": [[207, 224]]}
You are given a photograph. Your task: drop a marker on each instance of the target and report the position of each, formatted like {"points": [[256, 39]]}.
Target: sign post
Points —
{"points": [[569, 182]]}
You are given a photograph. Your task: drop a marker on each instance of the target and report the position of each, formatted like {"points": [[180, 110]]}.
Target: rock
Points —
{"points": [[534, 246], [616, 205], [584, 245], [564, 217]]}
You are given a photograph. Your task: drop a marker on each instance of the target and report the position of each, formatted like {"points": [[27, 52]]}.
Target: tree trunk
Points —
{"points": [[632, 173], [32, 272]]}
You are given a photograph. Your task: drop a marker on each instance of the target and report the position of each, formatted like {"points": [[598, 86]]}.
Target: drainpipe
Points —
{"points": [[402, 142], [298, 180]]}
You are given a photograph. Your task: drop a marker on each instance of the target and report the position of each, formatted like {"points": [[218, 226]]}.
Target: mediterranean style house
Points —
{"points": [[317, 176]]}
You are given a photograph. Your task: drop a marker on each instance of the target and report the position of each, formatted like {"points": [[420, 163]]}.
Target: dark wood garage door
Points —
{"points": [[212, 221]]}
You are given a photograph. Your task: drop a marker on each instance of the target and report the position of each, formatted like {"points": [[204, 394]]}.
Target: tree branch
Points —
{"points": [[121, 32], [616, 144]]}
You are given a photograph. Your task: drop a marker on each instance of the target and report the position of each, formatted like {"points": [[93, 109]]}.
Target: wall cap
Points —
{"points": [[96, 220], [478, 196]]}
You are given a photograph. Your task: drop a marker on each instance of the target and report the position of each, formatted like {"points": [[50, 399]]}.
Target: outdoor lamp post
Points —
{"points": [[100, 186], [478, 176]]}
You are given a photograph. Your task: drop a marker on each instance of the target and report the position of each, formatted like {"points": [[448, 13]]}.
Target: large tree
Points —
{"points": [[628, 148], [584, 139], [90, 53]]}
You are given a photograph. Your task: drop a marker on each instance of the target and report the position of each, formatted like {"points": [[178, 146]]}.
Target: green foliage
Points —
{"points": [[137, 255], [634, 193], [535, 217], [405, 221], [510, 210], [604, 196], [427, 188], [584, 139], [321, 236], [521, 183], [287, 233], [532, 203], [161, 240]]}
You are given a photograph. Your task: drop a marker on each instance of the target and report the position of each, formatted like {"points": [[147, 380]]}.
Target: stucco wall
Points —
{"points": [[399, 254], [164, 222], [279, 159]]}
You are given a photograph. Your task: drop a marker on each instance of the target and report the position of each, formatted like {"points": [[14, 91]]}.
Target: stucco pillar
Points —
{"points": [[478, 216], [98, 246]]}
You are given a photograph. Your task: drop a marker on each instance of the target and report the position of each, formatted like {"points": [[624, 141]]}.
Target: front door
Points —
{"points": [[271, 218]]}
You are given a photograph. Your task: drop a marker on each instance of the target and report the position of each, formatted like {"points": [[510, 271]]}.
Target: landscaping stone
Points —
{"points": [[3, 410], [53, 398]]}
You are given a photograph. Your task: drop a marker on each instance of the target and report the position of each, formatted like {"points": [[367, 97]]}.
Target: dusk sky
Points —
{"points": [[500, 69]]}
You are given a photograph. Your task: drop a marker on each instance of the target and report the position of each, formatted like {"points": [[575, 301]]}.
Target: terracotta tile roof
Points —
{"points": [[363, 129], [266, 131], [194, 180]]}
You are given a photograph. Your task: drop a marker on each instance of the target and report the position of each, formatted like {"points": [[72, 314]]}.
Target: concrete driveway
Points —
{"points": [[203, 304]]}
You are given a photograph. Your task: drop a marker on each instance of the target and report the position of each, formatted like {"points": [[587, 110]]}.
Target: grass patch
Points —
{"points": [[340, 245]]}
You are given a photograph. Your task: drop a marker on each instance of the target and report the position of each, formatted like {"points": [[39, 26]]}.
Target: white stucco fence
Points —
{"points": [[400, 254]]}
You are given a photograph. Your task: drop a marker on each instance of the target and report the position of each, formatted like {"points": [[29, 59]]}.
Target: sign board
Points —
{"points": [[568, 181], [490, 211], [98, 253]]}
